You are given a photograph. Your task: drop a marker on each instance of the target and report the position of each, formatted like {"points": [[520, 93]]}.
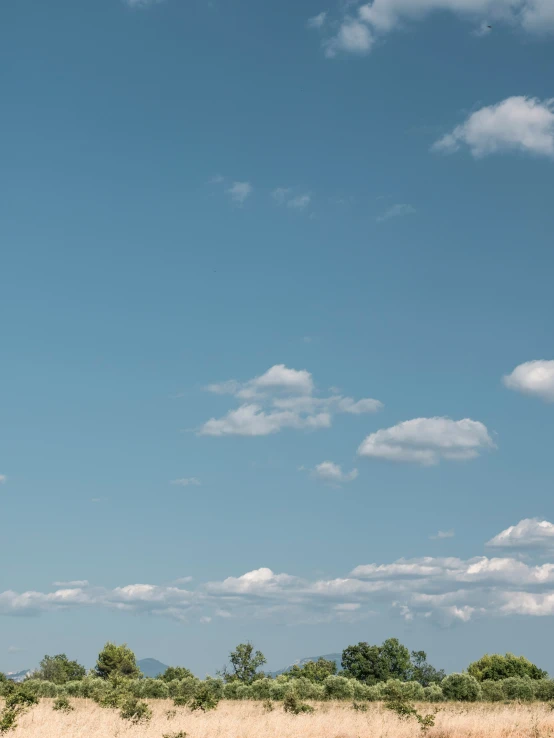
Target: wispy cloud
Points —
{"points": [[74, 583], [533, 378], [280, 398], [186, 482], [317, 21], [300, 202], [396, 211], [3, 479], [239, 192], [442, 534], [284, 196], [357, 31], [522, 124], [427, 441]]}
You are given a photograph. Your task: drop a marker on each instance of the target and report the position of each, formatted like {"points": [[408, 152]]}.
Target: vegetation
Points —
{"points": [[314, 671], [62, 704], [373, 664], [495, 667], [117, 660], [135, 711], [245, 663], [59, 670]]}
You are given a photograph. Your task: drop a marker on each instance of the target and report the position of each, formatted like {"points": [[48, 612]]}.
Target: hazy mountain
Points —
{"points": [[151, 667], [17, 676], [336, 657]]}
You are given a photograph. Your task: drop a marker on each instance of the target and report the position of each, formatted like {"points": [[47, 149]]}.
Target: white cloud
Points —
{"points": [[396, 211], [332, 473], [515, 124], [377, 18], [3, 479], [442, 534], [527, 534], [353, 37], [186, 482], [427, 441], [533, 378], [240, 192], [300, 202], [280, 195], [317, 21], [14, 649], [280, 398]]}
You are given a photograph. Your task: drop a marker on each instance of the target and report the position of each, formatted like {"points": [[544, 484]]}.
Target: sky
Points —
{"points": [[276, 310]]}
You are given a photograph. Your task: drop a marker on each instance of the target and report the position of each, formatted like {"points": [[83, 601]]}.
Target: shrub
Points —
{"points": [[268, 706], [41, 688], [205, 699], [183, 688], [179, 734], [373, 693], [21, 700], [135, 711], [308, 690], [433, 693], [496, 667], [261, 689], [338, 688], [8, 720], [181, 701], [360, 706], [404, 710], [149, 689], [62, 704], [315, 671], [244, 692], [544, 689], [117, 660], [461, 687], [278, 689], [293, 704], [515, 688], [59, 670], [413, 691], [175, 672], [492, 691]]}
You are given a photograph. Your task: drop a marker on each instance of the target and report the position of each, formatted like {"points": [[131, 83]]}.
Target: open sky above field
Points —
{"points": [[273, 277]]}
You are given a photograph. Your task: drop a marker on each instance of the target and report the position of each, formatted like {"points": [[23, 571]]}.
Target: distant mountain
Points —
{"points": [[151, 667], [17, 676], [336, 657]]}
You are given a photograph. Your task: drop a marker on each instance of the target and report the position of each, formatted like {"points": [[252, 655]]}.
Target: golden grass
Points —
{"points": [[248, 720]]}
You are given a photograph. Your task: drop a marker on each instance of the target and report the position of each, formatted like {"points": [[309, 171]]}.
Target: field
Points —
{"points": [[248, 720]]}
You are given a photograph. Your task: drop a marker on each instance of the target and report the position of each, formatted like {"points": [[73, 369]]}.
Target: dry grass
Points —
{"points": [[248, 720]]}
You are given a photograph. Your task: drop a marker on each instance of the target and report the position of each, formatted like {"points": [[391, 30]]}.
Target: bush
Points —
{"points": [[41, 688], [293, 704], [205, 698], [135, 711], [515, 688], [62, 704], [413, 691], [268, 706], [154, 689], [278, 689], [175, 672], [117, 660], [244, 692], [181, 701], [261, 689], [360, 706], [497, 667], [183, 688], [179, 734], [492, 691], [338, 688], [361, 692], [433, 693], [461, 687], [544, 689], [21, 699], [307, 690], [8, 720]]}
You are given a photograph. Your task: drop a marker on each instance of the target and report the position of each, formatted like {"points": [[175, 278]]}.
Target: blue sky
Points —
{"points": [[273, 277]]}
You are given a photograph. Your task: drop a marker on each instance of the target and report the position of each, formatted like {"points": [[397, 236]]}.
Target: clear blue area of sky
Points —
{"points": [[130, 281]]}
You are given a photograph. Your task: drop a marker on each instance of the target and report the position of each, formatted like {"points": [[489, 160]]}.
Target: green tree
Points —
{"points": [[245, 663], [421, 671], [373, 664], [175, 672], [315, 671], [461, 687], [116, 660], [59, 670], [496, 666]]}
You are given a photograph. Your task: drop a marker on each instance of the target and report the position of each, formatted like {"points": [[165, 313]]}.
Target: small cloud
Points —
{"points": [[317, 21], [524, 124], [332, 473], [216, 179], [70, 585], [223, 614], [300, 202], [442, 534], [396, 211], [347, 607], [353, 37], [307, 339], [280, 194], [183, 580], [14, 649], [96, 499], [533, 378], [3, 479], [205, 620], [240, 192], [186, 482], [530, 533]]}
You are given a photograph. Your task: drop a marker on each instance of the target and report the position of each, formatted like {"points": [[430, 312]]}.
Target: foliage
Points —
{"points": [[433, 693], [461, 687], [268, 706], [515, 688], [421, 671], [360, 706], [315, 671], [495, 666], [59, 670], [544, 689], [293, 704], [205, 699], [42, 689], [180, 701], [373, 664], [62, 704], [175, 672], [135, 711], [338, 688], [405, 710], [149, 689], [245, 663], [8, 720], [179, 734], [117, 660], [492, 691], [17, 702]]}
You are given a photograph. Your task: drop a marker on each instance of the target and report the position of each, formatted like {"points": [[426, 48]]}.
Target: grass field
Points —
{"points": [[248, 720]]}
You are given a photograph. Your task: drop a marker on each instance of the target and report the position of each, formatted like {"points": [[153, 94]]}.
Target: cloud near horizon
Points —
{"points": [[444, 589], [533, 378], [280, 398]]}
